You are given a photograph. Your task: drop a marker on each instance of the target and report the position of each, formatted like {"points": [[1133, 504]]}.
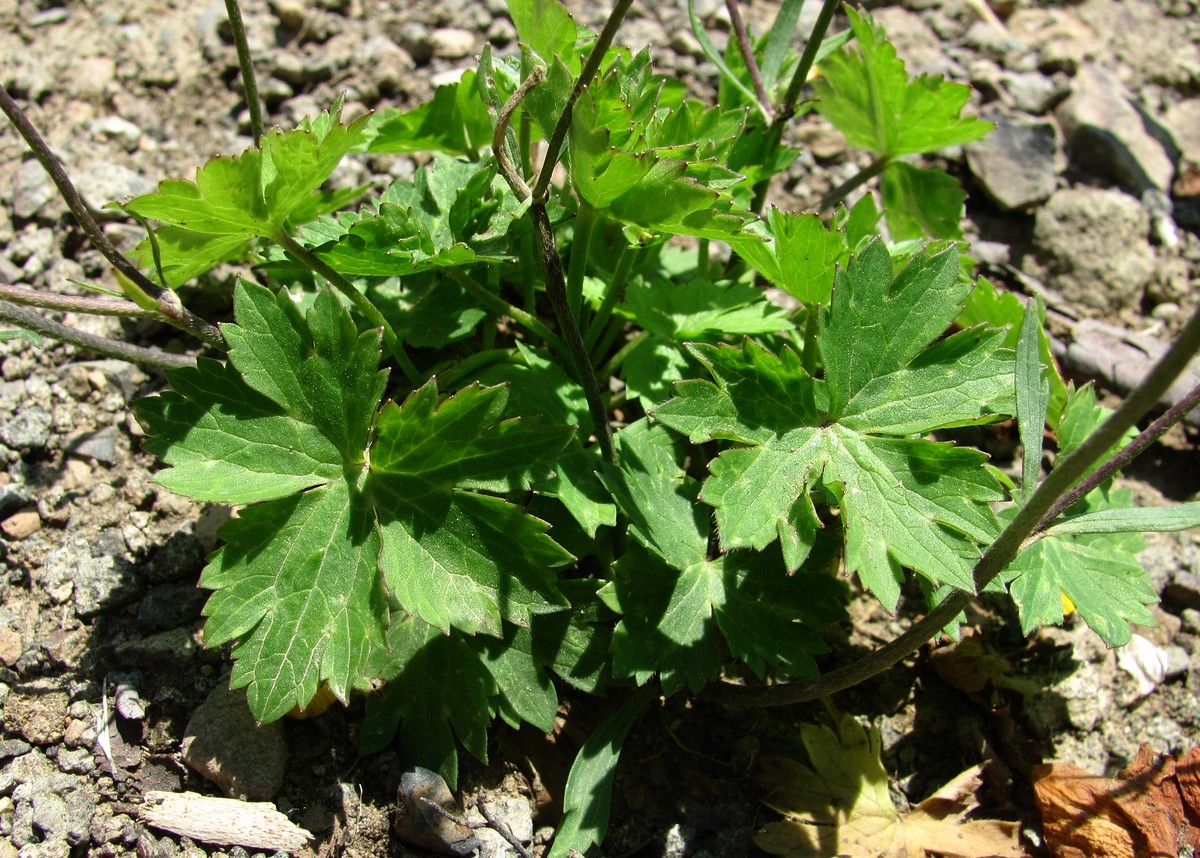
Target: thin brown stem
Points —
{"points": [[554, 147], [74, 303], [1124, 456], [147, 357], [1034, 514], [743, 40], [800, 77], [499, 142], [169, 306], [863, 176]]}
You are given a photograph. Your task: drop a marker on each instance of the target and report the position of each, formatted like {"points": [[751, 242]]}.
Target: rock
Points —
{"points": [[11, 647], [32, 189], [90, 77], [77, 761], [28, 429], [100, 445], [10, 748], [916, 43], [33, 250], [25, 768], [169, 606], [116, 128], [1183, 120], [227, 746], [291, 13], [57, 808], [1092, 245], [38, 712], [300, 70], [99, 576], [1107, 133], [419, 824], [452, 43], [1034, 92], [1017, 163], [513, 811], [17, 527], [389, 63], [171, 649], [1062, 40]]}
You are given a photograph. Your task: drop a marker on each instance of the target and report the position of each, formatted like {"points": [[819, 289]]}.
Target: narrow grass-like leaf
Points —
{"points": [[1033, 397]]}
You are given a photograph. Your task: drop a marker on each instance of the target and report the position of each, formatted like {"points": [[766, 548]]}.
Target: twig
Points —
{"points": [[500, 826], [238, 31], [152, 358], [74, 303], [1034, 514], [739, 31], [542, 188], [169, 306], [800, 77]]}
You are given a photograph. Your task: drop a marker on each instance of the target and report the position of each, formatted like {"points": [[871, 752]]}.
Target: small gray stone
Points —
{"points": [[28, 429], [1093, 246], [47, 17], [33, 250], [1108, 133], [76, 761], [100, 445], [116, 128], [1033, 92], [413, 37], [32, 189], [1017, 163], [1184, 121], [300, 70], [10, 748], [171, 649], [225, 744], [59, 807], [421, 825]]}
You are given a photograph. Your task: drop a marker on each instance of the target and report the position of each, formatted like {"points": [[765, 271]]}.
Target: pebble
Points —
{"points": [[52, 808], [115, 128], [1093, 246], [90, 77], [417, 823], [11, 647], [1033, 92], [300, 70], [1017, 164], [99, 445], [452, 43], [28, 429], [104, 182], [31, 190], [225, 744], [1107, 133], [1184, 121], [17, 527]]}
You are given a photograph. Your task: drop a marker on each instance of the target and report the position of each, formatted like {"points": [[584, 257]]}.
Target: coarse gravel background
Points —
{"points": [[1089, 190]]}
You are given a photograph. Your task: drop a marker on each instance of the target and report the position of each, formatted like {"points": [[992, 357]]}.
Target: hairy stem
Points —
{"points": [[554, 147], [74, 303], [800, 77], [249, 83], [743, 40], [169, 307], [147, 357], [1034, 514], [360, 301], [1124, 456]]}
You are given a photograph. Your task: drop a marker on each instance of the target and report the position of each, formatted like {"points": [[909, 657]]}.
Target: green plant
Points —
{"points": [[630, 467]]}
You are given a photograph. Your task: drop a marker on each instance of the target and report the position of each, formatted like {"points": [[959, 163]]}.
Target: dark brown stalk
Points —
{"points": [[743, 40]]}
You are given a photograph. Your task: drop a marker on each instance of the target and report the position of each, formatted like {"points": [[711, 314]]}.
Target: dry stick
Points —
{"points": [[1034, 514], [152, 358], [169, 306], [515, 180], [739, 31], [238, 30]]}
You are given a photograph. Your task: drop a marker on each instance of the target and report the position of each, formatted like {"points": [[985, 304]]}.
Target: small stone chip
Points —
{"points": [[22, 524]]}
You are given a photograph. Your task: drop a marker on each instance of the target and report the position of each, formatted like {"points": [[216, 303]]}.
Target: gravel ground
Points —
{"points": [[1089, 191]]}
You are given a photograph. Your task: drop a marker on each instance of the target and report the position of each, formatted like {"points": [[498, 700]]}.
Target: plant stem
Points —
{"points": [[449, 376], [74, 303], [585, 223], [499, 135], [788, 109], [1123, 456], [152, 358], [614, 363], [743, 40], [860, 178], [554, 146], [238, 30], [1034, 514], [360, 301], [556, 290], [169, 307], [613, 292], [501, 307]]}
